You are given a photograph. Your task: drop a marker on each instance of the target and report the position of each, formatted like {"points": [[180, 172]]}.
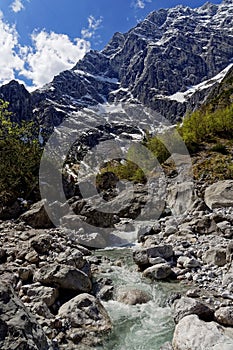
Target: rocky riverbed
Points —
{"points": [[54, 291]]}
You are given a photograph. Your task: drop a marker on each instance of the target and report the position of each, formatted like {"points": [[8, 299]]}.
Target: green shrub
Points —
{"points": [[20, 157], [198, 126], [123, 170], [142, 160], [220, 148]]}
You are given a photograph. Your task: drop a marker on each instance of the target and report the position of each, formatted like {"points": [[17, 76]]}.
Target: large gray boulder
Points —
{"points": [[158, 271], [36, 292], [133, 297], [180, 196], [142, 257], [86, 312], [37, 216], [162, 251], [220, 194], [189, 306], [18, 327], [191, 333], [63, 277]]}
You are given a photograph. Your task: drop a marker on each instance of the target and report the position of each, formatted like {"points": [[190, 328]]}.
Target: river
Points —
{"points": [[136, 327]]}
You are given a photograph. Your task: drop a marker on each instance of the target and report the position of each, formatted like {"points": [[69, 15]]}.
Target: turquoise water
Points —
{"points": [[137, 327]]}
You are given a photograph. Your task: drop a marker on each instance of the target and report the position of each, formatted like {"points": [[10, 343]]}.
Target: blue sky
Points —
{"points": [[40, 38]]}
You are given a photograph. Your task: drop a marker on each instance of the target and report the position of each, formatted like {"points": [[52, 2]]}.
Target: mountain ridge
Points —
{"points": [[167, 53]]}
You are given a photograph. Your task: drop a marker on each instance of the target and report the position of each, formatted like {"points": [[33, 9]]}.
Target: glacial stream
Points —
{"points": [[137, 327]]}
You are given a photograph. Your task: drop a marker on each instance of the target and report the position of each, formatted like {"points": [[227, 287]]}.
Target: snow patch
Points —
{"points": [[97, 77], [182, 96]]}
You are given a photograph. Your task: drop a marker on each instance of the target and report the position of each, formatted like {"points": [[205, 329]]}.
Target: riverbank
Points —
{"points": [[58, 294]]}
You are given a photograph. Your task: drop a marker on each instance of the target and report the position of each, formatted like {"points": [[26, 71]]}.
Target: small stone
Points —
{"points": [[216, 256], [25, 273], [158, 260], [41, 244], [32, 257], [224, 316], [193, 293], [3, 255], [170, 231]]}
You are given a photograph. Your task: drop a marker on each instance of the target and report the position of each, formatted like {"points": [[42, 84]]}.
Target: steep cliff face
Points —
{"points": [[161, 63], [19, 99]]}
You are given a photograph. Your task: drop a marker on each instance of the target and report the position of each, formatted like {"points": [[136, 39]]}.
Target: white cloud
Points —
{"points": [[140, 4], [47, 56], [10, 61], [93, 26], [51, 53], [17, 6]]}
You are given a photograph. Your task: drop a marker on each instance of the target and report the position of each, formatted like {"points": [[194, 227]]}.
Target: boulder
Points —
{"points": [[158, 271], [103, 289], [86, 312], [191, 333], [180, 196], [36, 292], [158, 260], [97, 218], [64, 277], [72, 221], [224, 316], [133, 297], [186, 262], [140, 257], [219, 194], [145, 231], [164, 251], [92, 240], [188, 306], [18, 327], [228, 277], [145, 256], [37, 216], [205, 225], [42, 243], [215, 256], [150, 241], [71, 257]]}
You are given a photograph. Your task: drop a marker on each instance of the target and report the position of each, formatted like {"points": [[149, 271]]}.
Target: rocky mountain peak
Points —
{"points": [[19, 99], [168, 53]]}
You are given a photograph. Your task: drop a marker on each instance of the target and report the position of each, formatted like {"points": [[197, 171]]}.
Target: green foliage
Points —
{"points": [[200, 127], [20, 157], [212, 168], [142, 160], [124, 170], [157, 147], [220, 148]]}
